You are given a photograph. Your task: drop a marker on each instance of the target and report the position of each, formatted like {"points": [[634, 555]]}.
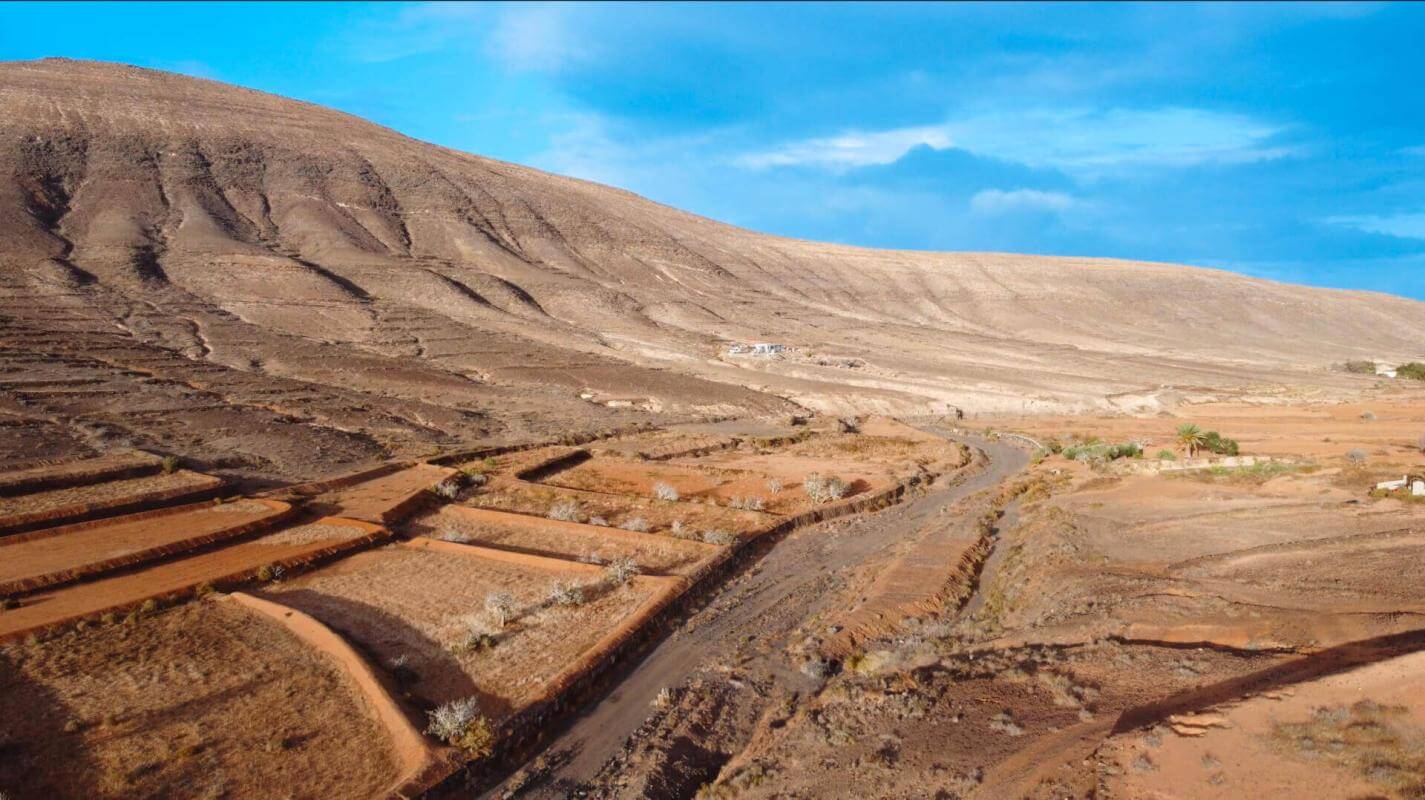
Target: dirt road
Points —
{"points": [[755, 613]]}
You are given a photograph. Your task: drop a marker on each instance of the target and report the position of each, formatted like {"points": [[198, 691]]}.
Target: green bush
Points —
{"points": [[1360, 367], [1214, 442], [1415, 371], [1166, 455]]}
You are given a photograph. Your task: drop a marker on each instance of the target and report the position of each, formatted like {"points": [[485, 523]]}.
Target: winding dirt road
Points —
{"points": [[761, 607]]}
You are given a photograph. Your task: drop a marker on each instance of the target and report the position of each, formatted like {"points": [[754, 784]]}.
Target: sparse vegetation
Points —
{"points": [[635, 524], [448, 489], [564, 593], [459, 723], [678, 530], [1166, 455], [270, 572], [663, 700], [665, 491], [773, 485], [599, 521], [824, 489], [620, 571], [1359, 367], [566, 510], [476, 634], [169, 464], [1414, 371], [455, 536], [1357, 455], [747, 503], [1368, 416], [1255, 474], [720, 538], [500, 606], [1095, 451]]}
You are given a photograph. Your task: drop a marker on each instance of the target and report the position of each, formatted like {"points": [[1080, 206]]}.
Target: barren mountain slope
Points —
{"points": [[296, 261]]}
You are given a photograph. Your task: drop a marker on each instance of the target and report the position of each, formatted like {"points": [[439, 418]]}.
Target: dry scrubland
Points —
{"points": [[463, 360], [1222, 632], [136, 680]]}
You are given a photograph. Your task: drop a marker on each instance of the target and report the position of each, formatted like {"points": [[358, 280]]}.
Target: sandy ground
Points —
{"points": [[76, 549], [1356, 734], [91, 598], [568, 540], [205, 700], [401, 601], [74, 499]]}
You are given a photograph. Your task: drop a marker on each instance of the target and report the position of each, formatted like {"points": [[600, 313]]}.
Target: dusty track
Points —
{"points": [[790, 584]]}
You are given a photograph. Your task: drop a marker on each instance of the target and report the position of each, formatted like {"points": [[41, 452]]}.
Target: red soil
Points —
{"points": [[569, 540], [382, 500], [238, 561], [44, 558]]}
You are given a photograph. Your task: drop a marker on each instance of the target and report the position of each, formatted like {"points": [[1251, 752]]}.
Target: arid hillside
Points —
{"points": [[174, 251]]}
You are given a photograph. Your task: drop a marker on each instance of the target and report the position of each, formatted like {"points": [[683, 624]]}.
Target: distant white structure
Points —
{"points": [[757, 349], [1417, 485], [1386, 370]]}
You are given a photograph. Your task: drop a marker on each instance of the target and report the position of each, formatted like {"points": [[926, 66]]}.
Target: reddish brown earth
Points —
{"points": [[181, 575], [275, 289], [44, 558], [203, 700]]}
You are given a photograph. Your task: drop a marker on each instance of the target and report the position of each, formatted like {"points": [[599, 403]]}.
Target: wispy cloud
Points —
{"points": [[1076, 140], [1405, 226], [540, 37], [999, 201], [850, 149]]}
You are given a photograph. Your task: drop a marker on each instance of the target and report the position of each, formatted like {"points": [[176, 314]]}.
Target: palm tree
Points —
{"points": [[1190, 437]]}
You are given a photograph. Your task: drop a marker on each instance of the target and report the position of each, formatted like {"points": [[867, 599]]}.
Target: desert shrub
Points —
{"points": [[665, 491], [773, 485], [1214, 442], [620, 571], [270, 572], [1368, 416], [476, 634], [1166, 455], [814, 668], [169, 465], [448, 489], [459, 723], [635, 524], [747, 503], [563, 593], [1414, 371], [1357, 456], [1094, 450], [500, 606], [1360, 367], [566, 510], [599, 521], [824, 489], [663, 700], [720, 538], [678, 530], [455, 536]]}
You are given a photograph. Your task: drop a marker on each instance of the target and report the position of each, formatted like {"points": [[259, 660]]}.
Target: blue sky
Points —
{"points": [[1281, 141]]}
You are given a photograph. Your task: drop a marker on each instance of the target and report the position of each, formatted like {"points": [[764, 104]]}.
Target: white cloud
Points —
{"points": [[998, 201], [1406, 226], [850, 149], [538, 37], [1083, 141]]}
